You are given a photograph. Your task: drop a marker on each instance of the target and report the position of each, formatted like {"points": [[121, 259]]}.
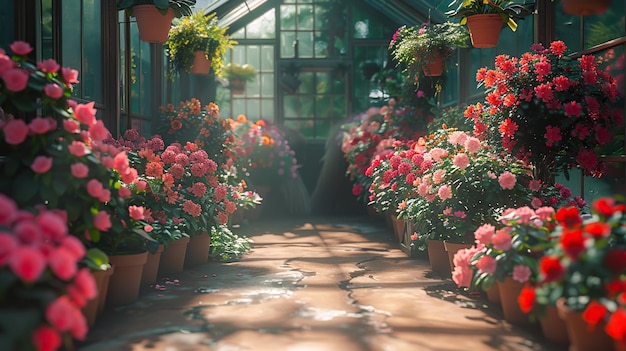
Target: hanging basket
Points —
{"points": [[485, 30], [585, 7], [153, 26], [237, 86], [434, 68], [201, 65]]}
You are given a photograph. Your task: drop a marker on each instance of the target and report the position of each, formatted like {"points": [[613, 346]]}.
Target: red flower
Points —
{"points": [[551, 268], [526, 299], [616, 325], [46, 339], [568, 217], [604, 206], [597, 229], [573, 242], [357, 189], [615, 260], [594, 313]]}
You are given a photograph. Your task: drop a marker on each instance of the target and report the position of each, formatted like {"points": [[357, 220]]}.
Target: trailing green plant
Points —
{"points": [[197, 32], [226, 245], [180, 7], [243, 72]]}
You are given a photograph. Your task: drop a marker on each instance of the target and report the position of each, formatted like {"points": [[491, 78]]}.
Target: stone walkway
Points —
{"points": [[315, 284]]}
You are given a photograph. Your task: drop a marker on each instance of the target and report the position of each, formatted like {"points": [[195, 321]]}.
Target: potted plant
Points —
{"points": [[154, 17], [485, 18], [238, 75], [196, 44], [425, 49]]}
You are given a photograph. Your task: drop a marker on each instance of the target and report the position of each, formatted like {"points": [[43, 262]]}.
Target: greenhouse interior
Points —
{"points": [[264, 172]]}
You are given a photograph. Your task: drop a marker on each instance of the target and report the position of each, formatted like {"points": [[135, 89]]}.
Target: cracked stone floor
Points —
{"points": [[311, 284]]}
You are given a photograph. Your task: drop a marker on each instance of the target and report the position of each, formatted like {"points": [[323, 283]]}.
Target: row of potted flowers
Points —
{"points": [[75, 201]]}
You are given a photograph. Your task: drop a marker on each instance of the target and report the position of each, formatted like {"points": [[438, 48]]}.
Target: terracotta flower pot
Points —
{"points": [[237, 86], [173, 257], [398, 227], [553, 327], [151, 268], [509, 290], [438, 258], [484, 30], [493, 295], [452, 249], [125, 281], [434, 68], [585, 7], [104, 289], [198, 249], [201, 65], [102, 281], [581, 337], [153, 26]]}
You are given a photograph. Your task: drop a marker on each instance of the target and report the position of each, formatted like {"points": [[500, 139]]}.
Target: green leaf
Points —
{"points": [[25, 188], [96, 259], [59, 185]]}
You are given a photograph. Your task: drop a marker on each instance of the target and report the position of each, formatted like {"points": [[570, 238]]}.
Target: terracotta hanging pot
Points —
{"points": [[124, 283], [153, 26], [198, 249], [237, 86], [484, 30], [553, 327], [585, 7], [509, 290], [434, 68], [151, 268], [201, 65], [581, 337], [438, 258], [173, 257]]}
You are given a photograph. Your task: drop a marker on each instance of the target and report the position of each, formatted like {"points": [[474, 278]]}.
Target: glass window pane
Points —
{"points": [[267, 84], [290, 106], [262, 27], [253, 55], [267, 110], [254, 108], [307, 106], [305, 17], [287, 17], [339, 108], [323, 107], [321, 44], [305, 44], [307, 83], [92, 69], [287, 44], [146, 80], [72, 41], [267, 58], [239, 107], [253, 88], [6, 31]]}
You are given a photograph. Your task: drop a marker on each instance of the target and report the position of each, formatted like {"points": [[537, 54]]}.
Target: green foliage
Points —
{"points": [[244, 72], [509, 11], [227, 246], [198, 32], [180, 7], [451, 117]]}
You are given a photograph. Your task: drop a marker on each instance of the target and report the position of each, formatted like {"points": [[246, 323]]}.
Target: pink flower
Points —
{"points": [[220, 192], [21, 48], [60, 313], [484, 233], [71, 126], [461, 160], [501, 240], [94, 188], [487, 264], [79, 170], [98, 131], [544, 213], [49, 65], [534, 185], [141, 185], [457, 138], [124, 192], [27, 232], [8, 210], [136, 212], [536, 202], [83, 289], [460, 214], [15, 79], [192, 208], [15, 131], [8, 244], [53, 90], [39, 125], [63, 263], [222, 218], [472, 145], [507, 180], [69, 75], [105, 196], [73, 246], [521, 273], [444, 192], [102, 221], [553, 135], [77, 148], [27, 263], [86, 113], [46, 338], [41, 164], [438, 176]]}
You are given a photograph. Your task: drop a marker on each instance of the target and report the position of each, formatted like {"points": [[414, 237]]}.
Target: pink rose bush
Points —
{"points": [[62, 161], [45, 286], [548, 109]]}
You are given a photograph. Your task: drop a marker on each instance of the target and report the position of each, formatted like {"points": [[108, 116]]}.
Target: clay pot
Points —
{"points": [[434, 68], [398, 227], [451, 249], [101, 277], [485, 30], [581, 338], [553, 327], [125, 281], [150, 269], [198, 249], [153, 26], [493, 295], [585, 7], [438, 258], [510, 290], [201, 65], [237, 86], [173, 257], [104, 289]]}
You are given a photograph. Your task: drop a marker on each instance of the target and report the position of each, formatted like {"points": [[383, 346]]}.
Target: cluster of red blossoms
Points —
{"points": [[588, 264]]}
